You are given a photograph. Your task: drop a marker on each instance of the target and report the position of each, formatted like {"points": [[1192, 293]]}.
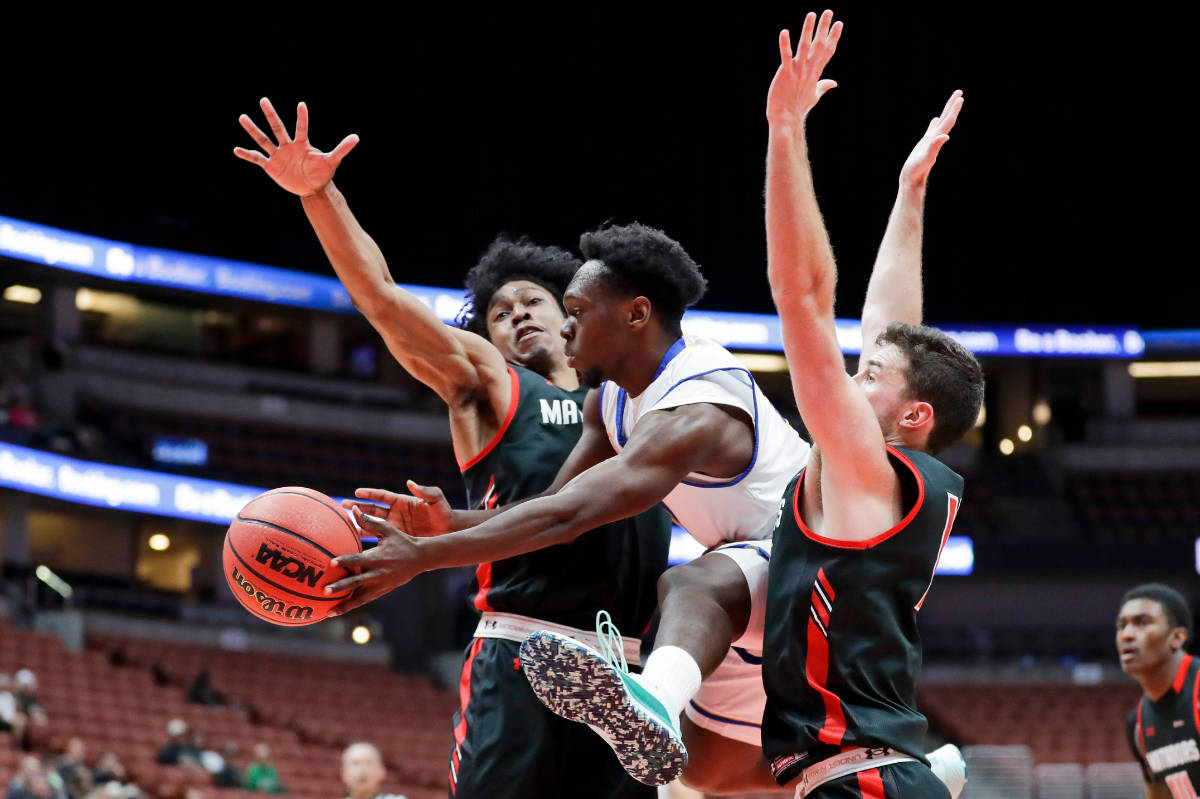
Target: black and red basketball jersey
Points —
{"points": [[841, 647], [613, 568], [1164, 734]]}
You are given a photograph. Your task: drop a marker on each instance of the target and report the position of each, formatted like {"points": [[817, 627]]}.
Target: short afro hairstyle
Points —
{"points": [[943, 373], [1172, 602], [505, 260], [650, 264]]}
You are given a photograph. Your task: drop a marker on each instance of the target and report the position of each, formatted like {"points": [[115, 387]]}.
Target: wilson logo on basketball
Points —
{"points": [[288, 566], [270, 604]]}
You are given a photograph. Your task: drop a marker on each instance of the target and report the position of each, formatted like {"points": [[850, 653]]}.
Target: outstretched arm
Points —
{"points": [[802, 274], [894, 291], [426, 512], [461, 367], [665, 446]]}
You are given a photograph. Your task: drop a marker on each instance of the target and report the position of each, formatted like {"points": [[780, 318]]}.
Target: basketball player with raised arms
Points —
{"points": [[693, 429], [514, 407], [1153, 628], [861, 528]]}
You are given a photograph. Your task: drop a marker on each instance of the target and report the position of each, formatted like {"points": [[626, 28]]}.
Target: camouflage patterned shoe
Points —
{"points": [[596, 689]]}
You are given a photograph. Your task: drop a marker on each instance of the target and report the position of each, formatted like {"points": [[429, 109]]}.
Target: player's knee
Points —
{"points": [[710, 579]]}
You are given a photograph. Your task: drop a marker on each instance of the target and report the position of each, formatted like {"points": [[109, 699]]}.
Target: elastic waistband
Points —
{"points": [[512, 627], [849, 762]]}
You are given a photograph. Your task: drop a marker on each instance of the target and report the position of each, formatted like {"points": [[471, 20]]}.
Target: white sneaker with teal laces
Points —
{"points": [[595, 688]]}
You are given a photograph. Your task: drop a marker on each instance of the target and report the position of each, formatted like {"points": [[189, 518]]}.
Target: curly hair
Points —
{"points": [[506, 260], [943, 373], [651, 264]]}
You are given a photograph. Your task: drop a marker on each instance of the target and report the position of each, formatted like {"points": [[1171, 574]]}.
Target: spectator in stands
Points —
{"points": [[30, 719], [109, 768], [210, 759], [228, 776], [201, 691], [8, 703], [178, 750], [261, 774], [363, 772], [20, 786], [77, 778]]}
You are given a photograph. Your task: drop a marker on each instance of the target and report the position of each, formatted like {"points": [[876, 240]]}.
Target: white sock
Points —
{"points": [[673, 676]]}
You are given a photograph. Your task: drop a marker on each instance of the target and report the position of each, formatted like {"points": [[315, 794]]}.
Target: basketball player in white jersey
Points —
{"points": [[679, 420]]}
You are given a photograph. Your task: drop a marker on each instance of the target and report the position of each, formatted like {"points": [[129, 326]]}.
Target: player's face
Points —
{"points": [[592, 330], [362, 771], [1144, 636], [882, 380], [523, 321]]}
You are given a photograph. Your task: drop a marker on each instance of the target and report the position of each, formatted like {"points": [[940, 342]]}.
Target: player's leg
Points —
{"points": [[909, 780], [705, 606], [719, 766], [508, 745]]}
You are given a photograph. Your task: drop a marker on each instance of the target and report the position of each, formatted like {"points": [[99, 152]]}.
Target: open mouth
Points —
{"points": [[526, 332]]}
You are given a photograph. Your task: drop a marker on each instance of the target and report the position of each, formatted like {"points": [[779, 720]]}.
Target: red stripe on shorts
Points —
{"points": [[870, 784], [464, 697]]}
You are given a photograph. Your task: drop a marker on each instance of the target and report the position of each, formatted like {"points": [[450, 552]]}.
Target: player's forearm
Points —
{"points": [[354, 255], [894, 291], [520, 529], [799, 256]]}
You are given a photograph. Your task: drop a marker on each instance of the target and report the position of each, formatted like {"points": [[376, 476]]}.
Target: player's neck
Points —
{"points": [[563, 376], [640, 368], [1161, 680]]}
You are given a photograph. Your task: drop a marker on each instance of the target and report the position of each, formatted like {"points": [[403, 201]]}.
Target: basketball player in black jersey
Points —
{"points": [[861, 528], [1153, 627], [515, 417]]}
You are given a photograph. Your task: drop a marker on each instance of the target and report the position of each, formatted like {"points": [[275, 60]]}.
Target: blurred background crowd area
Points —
{"points": [[1083, 478]]}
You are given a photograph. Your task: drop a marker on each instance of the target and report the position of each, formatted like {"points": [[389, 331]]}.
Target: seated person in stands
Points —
{"points": [[77, 778], [109, 768], [30, 719], [363, 772], [201, 691], [30, 781], [178, 750], [8, 703], [261, 774], [228, 776]]}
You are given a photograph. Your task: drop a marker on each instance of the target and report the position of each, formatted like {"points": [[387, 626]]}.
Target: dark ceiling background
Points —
{"points": [[1064, 195]]}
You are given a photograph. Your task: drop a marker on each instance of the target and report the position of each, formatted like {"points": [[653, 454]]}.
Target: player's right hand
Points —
{"points": [[293, 163], [426, 512]]}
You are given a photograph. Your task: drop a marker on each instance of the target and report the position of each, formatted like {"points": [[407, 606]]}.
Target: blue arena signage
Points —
{"points": [[120, 487], [173, 269]]}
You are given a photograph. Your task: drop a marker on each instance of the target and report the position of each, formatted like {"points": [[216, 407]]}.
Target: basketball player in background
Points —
{"points": [[691, 427], [861, 528], [514, 406], [1153, 628]]}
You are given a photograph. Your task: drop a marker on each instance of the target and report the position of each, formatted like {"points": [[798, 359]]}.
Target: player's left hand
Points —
{"points": [[797, 85], [916, 167], [394, 561]]}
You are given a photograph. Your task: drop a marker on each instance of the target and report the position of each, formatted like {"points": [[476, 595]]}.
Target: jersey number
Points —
{"points": [[1180, 786]]}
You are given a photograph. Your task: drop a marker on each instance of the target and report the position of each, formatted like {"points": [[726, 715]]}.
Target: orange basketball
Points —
{"points": [[277, 553]]}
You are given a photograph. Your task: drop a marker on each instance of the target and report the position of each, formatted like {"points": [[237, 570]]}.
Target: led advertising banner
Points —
{"points": [[135, 264], [120, 487]]}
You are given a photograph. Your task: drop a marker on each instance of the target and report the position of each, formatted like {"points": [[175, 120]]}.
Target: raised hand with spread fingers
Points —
{"points": [[798, 84], [292, 162]]}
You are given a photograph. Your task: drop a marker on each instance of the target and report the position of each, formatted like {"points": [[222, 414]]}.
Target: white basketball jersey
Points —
{"points": [[715, 510]]}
